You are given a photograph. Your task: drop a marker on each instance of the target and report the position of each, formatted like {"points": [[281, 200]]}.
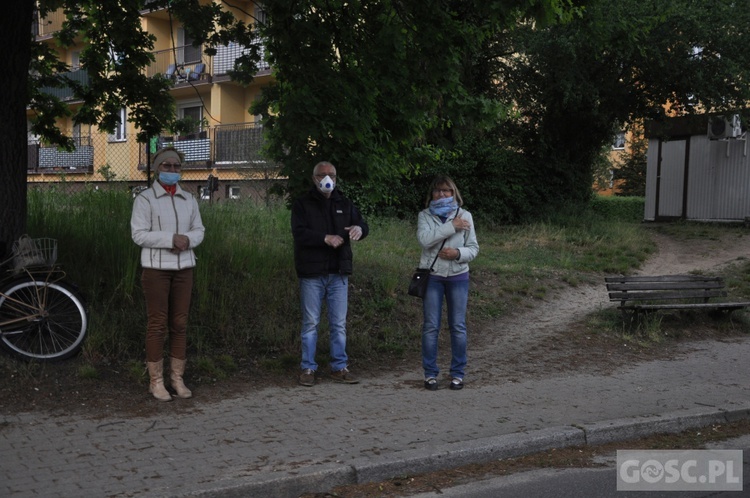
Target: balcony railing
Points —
{"points": [[180, 63], [48, 159], [231, 146], [48, 25], [65, 93]]}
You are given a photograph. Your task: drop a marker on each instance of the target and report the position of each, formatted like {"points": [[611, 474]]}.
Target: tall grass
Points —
{"points": [[246, 303]]}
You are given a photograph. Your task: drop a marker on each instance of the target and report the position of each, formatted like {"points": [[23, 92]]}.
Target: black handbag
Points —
{"points": [[418, 284]]}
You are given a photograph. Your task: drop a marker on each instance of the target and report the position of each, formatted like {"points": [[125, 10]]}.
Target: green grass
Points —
{"points": [[245, 300]]}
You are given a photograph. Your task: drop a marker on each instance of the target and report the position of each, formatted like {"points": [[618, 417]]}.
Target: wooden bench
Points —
{"points": [[680, 292]]}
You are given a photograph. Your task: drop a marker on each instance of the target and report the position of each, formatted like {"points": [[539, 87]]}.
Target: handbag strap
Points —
{"points": [[441, 245], [436, 256]]}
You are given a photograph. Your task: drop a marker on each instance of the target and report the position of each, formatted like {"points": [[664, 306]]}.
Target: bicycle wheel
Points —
{"points": [[42, 321]]}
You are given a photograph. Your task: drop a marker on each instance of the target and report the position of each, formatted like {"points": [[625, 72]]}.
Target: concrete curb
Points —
{"points": [[323, 478]]}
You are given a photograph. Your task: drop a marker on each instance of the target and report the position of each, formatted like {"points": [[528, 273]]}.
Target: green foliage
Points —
{"points": [[619, 208], [576, 84], [245, 301], [366, 84], [631, 171]]}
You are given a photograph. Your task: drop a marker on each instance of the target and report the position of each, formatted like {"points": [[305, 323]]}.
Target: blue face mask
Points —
{"points": [[169, 178]]}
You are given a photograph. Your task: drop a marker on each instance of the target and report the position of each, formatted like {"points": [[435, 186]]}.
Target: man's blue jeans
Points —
{"points": [[334, 289], [456, 295]]}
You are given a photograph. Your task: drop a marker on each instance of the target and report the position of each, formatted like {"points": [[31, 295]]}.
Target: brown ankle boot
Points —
{"points": [[156, 384], [178, 368]]}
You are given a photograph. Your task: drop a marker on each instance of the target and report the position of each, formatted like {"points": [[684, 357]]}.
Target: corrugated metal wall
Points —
{"points": [[731, 170], [717, 173]]}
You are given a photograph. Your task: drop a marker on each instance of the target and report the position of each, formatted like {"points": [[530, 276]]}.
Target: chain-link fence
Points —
{"points": [[221, 162]]}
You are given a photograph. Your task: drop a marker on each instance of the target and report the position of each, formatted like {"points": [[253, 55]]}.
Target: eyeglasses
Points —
{"points": [[442, 191], [333, 176], [170, 166]]}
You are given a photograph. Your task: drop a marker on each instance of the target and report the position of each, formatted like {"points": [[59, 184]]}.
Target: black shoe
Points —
{"points": [[457, 383], [431, 384]]}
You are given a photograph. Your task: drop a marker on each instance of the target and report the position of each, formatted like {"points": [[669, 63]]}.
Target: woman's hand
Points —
{"points": [[449, 253], [460, 223], [180, 243]]}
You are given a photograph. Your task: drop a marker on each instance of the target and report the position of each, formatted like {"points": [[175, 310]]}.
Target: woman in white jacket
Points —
{"points": [[446, 233], [166, 223]]}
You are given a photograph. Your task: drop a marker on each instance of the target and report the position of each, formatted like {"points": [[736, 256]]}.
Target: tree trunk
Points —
{"points": [[15, 35]]}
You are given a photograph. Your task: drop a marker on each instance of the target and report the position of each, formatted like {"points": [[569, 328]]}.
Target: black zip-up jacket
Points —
{"points": [[313, 217]]}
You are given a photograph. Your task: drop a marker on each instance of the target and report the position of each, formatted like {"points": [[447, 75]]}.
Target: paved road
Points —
{"points": [[289, 440], [589, 482]]}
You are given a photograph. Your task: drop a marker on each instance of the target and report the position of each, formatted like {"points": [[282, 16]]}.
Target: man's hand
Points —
{"points": [[334, 240], [355, 232]]}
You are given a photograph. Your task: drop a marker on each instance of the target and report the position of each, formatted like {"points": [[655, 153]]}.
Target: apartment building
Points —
{"points": [[222, 144]]}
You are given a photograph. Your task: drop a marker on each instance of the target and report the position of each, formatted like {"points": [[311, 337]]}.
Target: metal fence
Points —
{"points": [[224, 162]]}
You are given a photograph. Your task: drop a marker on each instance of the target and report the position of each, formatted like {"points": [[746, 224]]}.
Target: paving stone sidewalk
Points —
{"points": [[285, 441]]}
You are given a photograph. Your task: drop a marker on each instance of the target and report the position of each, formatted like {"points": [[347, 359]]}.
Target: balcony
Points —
{"points": [[191, 64], [224, 147], [49, 25], [48, 159], [65, 93]]}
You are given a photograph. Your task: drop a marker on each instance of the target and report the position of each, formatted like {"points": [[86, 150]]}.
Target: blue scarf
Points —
{"points": [[443, 207]]}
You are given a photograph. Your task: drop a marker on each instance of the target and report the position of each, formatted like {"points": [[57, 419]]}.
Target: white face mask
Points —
{"points": [[326, 185]]}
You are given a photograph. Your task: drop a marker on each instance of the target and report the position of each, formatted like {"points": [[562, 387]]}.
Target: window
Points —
{"points": [[233, 192], [31, 137], [204, 193], [75, 60], [619, 142], [120, 133], [192, 112], [260, 15], [186, 52]]}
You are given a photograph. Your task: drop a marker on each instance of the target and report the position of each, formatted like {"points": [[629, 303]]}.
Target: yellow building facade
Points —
{"points": [[223, 140]]}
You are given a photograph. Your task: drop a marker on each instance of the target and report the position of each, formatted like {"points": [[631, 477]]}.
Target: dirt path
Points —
{"points": [[542, 341]]}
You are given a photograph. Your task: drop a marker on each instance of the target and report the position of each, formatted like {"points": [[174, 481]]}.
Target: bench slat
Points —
{"points": [[662, 278], [656, 296], [664, 286], [732, 306], [643, 292]]}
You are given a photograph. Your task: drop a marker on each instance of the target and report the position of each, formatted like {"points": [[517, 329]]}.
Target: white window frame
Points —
{"points": [[190, 105], [233, 192], [75, 60], [186, 48], [121, 130], [619, 141]]}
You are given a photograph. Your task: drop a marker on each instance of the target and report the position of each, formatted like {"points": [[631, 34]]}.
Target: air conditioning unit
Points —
{"points": [[724, 127]]}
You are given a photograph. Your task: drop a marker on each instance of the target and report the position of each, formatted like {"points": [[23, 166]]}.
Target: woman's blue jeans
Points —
{"points": [[334, 289], [456, 295]]}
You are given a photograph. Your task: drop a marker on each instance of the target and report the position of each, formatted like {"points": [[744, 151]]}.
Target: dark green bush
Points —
{"points": [[628, 209]]}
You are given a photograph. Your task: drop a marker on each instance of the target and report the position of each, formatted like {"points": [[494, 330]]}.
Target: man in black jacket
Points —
{"points": [[324, 223]]}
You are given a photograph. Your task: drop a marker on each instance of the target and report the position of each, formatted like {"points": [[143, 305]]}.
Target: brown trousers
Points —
{"points": [[167, 306]]}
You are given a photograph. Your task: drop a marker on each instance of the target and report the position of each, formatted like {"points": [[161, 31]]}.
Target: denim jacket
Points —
{"points": [[431, 231]]}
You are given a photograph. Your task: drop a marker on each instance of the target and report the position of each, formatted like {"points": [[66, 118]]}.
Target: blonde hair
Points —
{"points": [[447, 181]]}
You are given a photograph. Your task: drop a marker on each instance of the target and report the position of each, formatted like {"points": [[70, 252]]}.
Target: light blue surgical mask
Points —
{"points": [[168, 177]]}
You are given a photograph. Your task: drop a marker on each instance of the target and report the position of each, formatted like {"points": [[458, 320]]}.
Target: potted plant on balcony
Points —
{"points": [[182, 128]]}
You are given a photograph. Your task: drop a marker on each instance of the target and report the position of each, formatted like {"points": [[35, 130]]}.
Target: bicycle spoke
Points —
{"points": [[49, 321]]}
